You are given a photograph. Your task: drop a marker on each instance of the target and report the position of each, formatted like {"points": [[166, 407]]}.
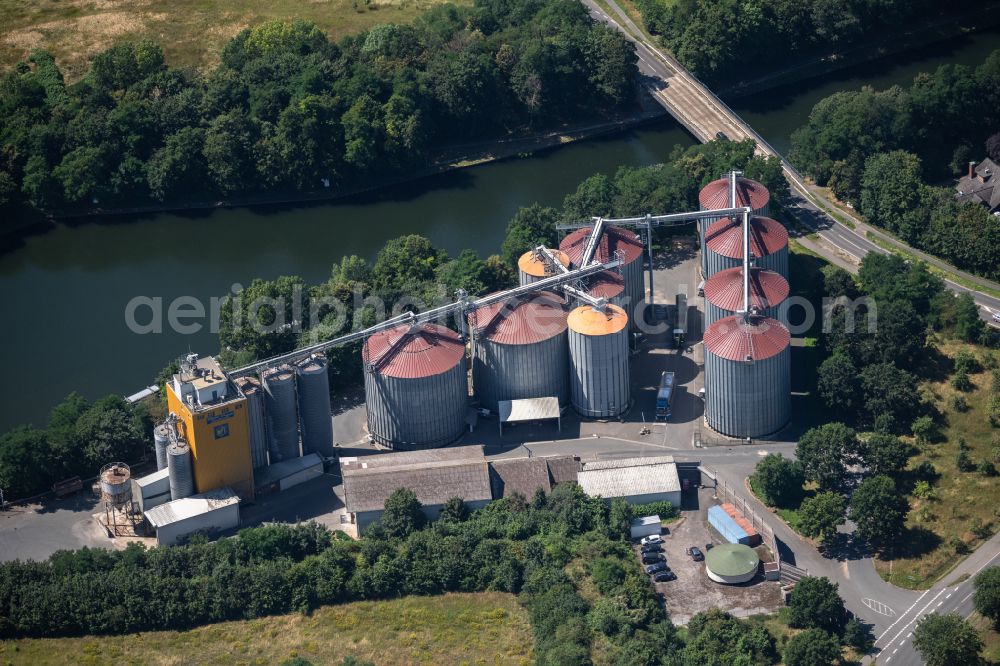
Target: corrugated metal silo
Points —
{"points": [[608, 285], [531, 267], [314, 406], [520, 350], [615, 243], [416, 386], [716, 195], [598, 359], [724, 293], [747, 376], [250, 387], [282, 421], [768, 244], [161, 440], [179, 470]]}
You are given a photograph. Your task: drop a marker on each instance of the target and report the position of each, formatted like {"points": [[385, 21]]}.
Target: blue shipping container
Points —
{"points": [[726, 526]]}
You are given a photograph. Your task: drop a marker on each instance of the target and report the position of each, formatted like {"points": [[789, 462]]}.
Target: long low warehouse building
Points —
{"points": [[215, 511], [635, 480]]}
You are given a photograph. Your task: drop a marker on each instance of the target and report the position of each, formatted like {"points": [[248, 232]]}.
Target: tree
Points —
{"points": [[228, 151], [885, 454], [837, 382], [265, 318], [109, 431], [455, 510], [943, 640], [879, 511], [823, 451], [594, 196], [404, 261], [969, 326], [813, 647], [987, 595], [22, 457], [179, 167], [857, 636], [889, 391], [779, 480], [716, 638], [821, 515], [403, 513], [837, 282], [993, 147], [815, 604], [925, 430], [891, 188], [530, 227]]}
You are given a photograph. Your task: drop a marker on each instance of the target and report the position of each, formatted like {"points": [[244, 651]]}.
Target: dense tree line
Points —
{"points": [[731, 41], [80, 437], [877, 149], [287, 110]]}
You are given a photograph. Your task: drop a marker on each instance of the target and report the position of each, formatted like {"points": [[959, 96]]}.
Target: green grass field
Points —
{"points": [[487, 628], [191, 32]]}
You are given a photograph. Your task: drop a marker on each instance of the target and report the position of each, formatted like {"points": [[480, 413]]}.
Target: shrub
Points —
{"points": [[959, 403], [963, 461], [986, 468], [961, 381], [967, 363]]}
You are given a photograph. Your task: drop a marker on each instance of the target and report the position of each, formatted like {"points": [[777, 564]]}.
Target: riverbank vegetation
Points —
{"points": [[910, 441], [286, 110], [731, 41], [879, 149]]}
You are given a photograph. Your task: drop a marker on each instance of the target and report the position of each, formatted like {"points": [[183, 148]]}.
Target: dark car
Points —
{"points": [[664, 576], [651, 548], [652, 558], [657, 568], [696, 554], [708, 546]]}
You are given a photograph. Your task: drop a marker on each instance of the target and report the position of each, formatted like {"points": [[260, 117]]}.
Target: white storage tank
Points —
{"points": [[599, 356], [161, 440], [520, 350], [532, 266], [724, 245], [282, 420], [315, 415], [416, 386]]}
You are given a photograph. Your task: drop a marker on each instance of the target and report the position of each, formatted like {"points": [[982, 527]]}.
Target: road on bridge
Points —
{"points": [[705, 116]]}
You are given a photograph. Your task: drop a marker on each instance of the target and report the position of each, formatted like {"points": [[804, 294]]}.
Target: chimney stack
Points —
{"points": [[972, 169]]}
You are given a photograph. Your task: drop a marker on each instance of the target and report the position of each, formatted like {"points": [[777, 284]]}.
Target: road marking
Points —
{"points": [[895, 651], [878, 607], [966, 597], [904, 615], [916, 617]]}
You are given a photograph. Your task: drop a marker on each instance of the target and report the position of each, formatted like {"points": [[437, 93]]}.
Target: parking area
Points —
{"points": [[693, 592]]}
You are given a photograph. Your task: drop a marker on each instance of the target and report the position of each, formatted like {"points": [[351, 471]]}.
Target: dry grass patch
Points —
{"points": [[487, 628], [191, 32]]}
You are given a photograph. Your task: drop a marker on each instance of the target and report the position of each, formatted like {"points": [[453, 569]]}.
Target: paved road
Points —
{"points": [[703, 114], [895, 644]]}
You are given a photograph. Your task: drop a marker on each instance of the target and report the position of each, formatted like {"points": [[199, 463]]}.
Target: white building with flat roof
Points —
{"points": [[635, 480]]}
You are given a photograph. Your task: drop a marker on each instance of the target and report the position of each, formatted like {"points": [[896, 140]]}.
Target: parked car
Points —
{"points": [[652, 538], [696, 554], [664, 576], [656, 568], [651, 547], [652, 558], [708, 546]]}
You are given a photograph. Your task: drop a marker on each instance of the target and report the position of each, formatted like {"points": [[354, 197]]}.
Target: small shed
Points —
{"points": [[645, 526], [151, 490], [288, 473], [214, 511], [530, 409]]}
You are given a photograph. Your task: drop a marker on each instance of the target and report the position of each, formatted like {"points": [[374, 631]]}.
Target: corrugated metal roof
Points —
{"points": [[588, 321], [531, 263], [408, 458], [520, 321], [627, 462], [189, 507], [606, 284], [645, 520], [562, 469], [725, 289], [613, 239], [748, 193], [529, 409], [641, 478], [285, 468], [736, 339], [425, 350], [150, 479], [725, 237], [434, 483], [521, 475]]}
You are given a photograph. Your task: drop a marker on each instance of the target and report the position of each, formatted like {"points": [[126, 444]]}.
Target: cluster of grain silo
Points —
{"points": [[723, 246], [161, 440], [251, 389], [282, 418], [534, 266], [180, 470], [724, 293], [747, 375], [519, 349], [313, 385], [416, 386], [598, 360], [615, 243], [607, 285], [719, 194]]}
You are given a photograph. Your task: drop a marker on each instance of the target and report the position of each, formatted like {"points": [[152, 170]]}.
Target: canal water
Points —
{"points": [[65, 291]]}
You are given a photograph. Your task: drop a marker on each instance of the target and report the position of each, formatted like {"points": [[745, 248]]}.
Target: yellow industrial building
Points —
{"points": [[212, 418]]}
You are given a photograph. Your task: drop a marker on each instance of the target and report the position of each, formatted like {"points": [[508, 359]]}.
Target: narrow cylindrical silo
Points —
{"points": [[608, 285], [250, 387], [315, 417], [161, 440], [532, 266], [615, 243], [747, 376], [179, 470], [717, 195], [598, 360], [768, 245], [520, 350], [416, 386], [282, 420], [724, 293]]}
